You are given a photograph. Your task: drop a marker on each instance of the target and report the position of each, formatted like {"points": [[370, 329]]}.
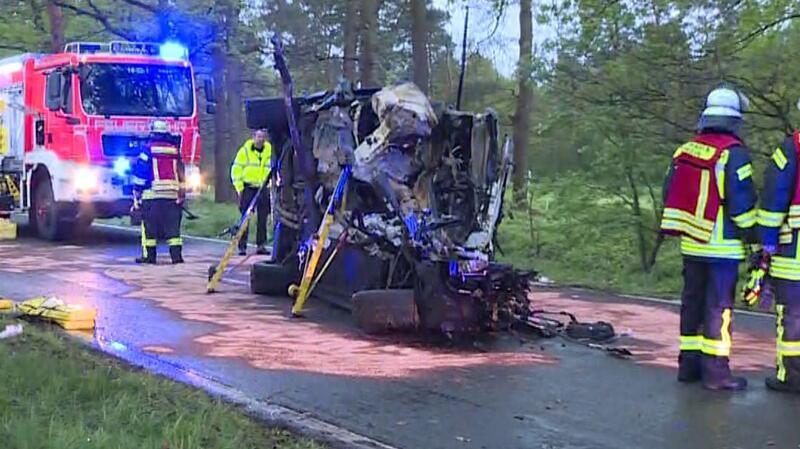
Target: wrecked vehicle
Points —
{"points": [[411, 240]]}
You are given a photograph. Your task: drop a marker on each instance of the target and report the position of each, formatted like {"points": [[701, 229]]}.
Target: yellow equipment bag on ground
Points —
{"points": [[70, 317], [6, 304], [8, 229]]}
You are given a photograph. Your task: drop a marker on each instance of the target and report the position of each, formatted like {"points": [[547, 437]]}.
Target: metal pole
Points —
{"points": [[463, 61]]}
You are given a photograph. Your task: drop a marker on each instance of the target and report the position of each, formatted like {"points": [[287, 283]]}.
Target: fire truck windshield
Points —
{"points": [[136, 90]]}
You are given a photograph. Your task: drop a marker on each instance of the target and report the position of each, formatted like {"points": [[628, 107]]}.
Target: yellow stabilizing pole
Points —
{"points": [[321, 237], [220, 269]]}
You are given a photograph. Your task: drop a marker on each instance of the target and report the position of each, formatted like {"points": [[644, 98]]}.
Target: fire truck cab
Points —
{"points": [[71, 124]]}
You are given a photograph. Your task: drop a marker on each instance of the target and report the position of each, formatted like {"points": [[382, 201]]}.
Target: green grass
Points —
{"points": [[55, 393], [593, 261]]}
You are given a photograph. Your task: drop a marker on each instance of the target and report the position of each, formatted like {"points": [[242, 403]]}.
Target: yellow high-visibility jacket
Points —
{"points": [[251, 167]]}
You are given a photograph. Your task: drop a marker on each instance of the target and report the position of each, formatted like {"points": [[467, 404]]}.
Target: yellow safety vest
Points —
{"points": [[251, 167]]}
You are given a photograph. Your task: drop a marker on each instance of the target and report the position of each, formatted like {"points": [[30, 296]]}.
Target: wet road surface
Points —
{"points": [[509, 393]]}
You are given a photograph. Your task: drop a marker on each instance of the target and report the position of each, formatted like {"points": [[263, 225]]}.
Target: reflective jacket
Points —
{"points": [[251, 167], [779, 214], [710, 198], [159, 172]]}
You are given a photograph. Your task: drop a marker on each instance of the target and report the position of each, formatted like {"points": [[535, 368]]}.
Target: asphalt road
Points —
{"points": [[506, 393]]}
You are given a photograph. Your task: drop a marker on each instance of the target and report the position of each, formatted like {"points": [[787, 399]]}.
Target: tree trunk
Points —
{"points": [[233, 82], [350, 41], [56, 16], [223, 190], [636, 208], [368, 49], [419, 43], [522, 115]]}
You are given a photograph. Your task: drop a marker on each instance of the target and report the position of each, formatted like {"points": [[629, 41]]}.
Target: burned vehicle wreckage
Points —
{"points": [[410, 241]]}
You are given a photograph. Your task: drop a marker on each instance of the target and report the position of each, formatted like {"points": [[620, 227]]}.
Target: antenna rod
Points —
{"points": [[463, 62]]}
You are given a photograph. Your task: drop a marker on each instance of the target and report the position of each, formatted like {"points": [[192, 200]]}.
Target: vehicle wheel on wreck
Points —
{"points": [[272, 279]]}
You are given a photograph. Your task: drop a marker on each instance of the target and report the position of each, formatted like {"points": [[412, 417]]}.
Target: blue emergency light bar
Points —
{"points": [[167, 50]]}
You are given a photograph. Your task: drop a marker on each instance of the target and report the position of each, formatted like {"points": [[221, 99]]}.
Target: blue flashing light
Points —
{"points": [[453, 268], [173, 51], [122, 166]]}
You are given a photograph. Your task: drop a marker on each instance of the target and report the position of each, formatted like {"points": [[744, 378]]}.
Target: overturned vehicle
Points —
{"points": [[389, 208]]}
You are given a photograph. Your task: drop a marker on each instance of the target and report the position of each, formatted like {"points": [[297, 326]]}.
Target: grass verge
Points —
{"points": [[56, 394]]}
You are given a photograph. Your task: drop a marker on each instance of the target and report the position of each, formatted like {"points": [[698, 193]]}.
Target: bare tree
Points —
{"points": [[369, 43], [522, 115], [419, 43]]}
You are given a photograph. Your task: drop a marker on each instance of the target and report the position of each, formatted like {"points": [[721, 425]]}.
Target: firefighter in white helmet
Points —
{"points": [[159, 189]]}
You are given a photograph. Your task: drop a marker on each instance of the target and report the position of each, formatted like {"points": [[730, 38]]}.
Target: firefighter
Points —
{"points": [[249, 171], [710, 202], [159, 179], [779, 221]]}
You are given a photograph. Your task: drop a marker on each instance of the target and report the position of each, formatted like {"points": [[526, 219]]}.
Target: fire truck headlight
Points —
{"points": [[122, 166], [193, 179], [85, 180]]}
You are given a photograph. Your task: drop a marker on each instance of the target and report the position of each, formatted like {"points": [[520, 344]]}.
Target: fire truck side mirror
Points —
{"points": [[54, 81], [208, 87]]}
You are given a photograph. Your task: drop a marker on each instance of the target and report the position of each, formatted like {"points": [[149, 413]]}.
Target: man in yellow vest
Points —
{"points": [[250, 169]]}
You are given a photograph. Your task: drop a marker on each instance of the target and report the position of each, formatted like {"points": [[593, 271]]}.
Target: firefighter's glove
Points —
{"points": [[753, 291], [753, 287]]}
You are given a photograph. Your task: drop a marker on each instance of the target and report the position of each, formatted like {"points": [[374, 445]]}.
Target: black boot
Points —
{"points": [[690, 366], [717, 375], [788, 387], [791, 382], [175, 252], [149, 259]]}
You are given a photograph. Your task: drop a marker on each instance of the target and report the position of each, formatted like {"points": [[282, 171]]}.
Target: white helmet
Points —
{"points": [[725, 101]]}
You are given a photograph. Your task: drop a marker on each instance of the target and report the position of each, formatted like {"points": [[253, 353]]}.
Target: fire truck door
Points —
{"points": [[59, 128]]}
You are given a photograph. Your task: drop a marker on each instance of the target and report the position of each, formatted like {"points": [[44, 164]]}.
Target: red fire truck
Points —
{"points": [[72, 122]]}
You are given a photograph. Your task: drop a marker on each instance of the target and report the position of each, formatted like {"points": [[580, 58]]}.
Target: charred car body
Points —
{"points": [[413, 238]]}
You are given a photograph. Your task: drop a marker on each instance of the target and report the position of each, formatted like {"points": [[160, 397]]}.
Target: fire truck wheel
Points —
{"points": [[45, 213], [385, 310], [271, 279]]}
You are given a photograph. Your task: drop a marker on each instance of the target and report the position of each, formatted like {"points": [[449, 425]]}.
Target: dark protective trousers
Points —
{"points": [[788, 331], [707, 300], [262, 212], [161, 220]]}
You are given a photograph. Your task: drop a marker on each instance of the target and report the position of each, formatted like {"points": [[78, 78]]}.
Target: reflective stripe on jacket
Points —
{"points": [[251, 167]]}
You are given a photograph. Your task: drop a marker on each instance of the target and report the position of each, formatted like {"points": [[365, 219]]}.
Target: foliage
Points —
{"points": [[576, 237]]}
